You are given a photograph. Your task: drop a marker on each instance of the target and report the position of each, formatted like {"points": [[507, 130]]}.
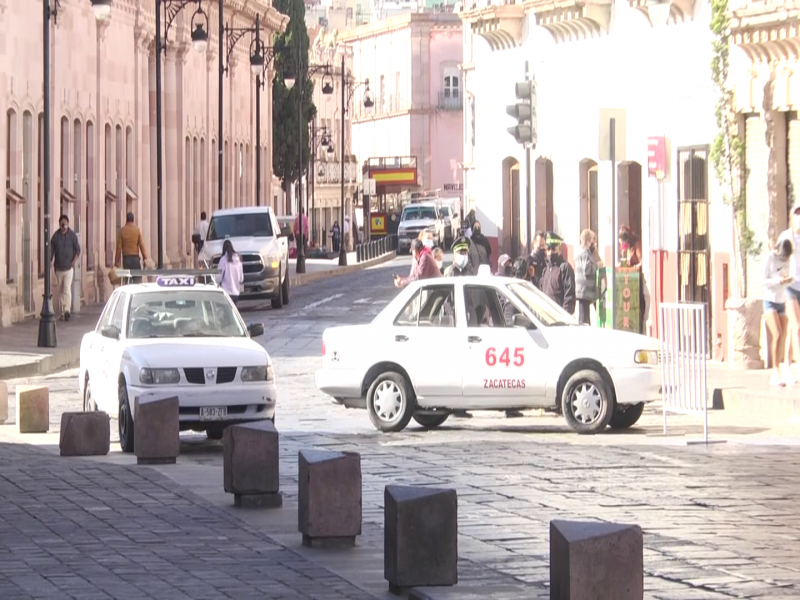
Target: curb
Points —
{"points": [[70, 357]]}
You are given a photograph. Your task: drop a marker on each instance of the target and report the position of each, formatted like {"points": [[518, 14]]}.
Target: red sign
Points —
{"points": [[657, 157]]}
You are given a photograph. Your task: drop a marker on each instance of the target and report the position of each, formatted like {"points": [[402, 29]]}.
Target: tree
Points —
{"points": [[285, 142]]}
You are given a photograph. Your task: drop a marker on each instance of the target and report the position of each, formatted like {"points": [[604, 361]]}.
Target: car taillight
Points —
{"points": [[323, 347]]}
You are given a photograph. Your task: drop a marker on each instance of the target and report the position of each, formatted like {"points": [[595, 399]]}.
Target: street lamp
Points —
{"points": [[260, 57], [47, 323], [328, 146], [289, 80], [199, 24]]}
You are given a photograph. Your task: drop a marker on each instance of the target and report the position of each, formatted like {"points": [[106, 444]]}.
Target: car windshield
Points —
{"points": [[183, 313], [445, 212], [543, 308], [239, 225], [414, 213]]}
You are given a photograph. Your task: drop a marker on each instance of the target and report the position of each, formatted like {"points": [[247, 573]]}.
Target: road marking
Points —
{"points": [[362, 301], [321, 302]]}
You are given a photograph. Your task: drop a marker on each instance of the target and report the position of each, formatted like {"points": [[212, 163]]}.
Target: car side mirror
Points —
{"points": [[522, 321], [255, 329], [110, 331]]}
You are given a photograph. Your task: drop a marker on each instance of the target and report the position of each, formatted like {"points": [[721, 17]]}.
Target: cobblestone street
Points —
{"points": [[720, 521]]}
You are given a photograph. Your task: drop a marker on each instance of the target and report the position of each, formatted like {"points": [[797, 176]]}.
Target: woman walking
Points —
{"points": [[231, 272], [778, 270], [587, 263], [336, 236]]}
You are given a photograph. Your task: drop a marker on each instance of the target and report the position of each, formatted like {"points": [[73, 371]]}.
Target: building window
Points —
{"points": [[89, 200], [187, 177], [196, 202], [130, 173], [14, 200], [64, 184], [118, 216], [451, 86], [226, 174], [109, 198], [77, 174], [248, 176]]}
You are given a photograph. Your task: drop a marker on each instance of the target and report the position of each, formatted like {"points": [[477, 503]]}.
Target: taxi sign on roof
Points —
{"points": [[176, 281]]}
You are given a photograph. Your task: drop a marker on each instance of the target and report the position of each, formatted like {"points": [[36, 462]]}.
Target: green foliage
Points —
{"points": [[287, 141], [727, 150]]}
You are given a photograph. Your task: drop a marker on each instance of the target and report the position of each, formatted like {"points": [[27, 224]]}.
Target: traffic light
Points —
{"points": [[524, 112]]}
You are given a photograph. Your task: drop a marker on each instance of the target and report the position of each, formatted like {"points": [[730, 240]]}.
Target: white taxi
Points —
{"points": [[478, 343], [183, 338]]}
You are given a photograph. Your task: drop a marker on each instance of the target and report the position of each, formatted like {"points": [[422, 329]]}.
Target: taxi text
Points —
{"points": [[504, 384]]}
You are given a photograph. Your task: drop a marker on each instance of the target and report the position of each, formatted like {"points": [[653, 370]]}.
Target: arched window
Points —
{"points": [[66, 197], [452, 84], [110, 198], [543, 194], [214, 172], [196, 203], [118, 216], [226, 178], [131, 196], [91, 170], [587, 186], [14, 201], [203, 171], [187, 179], [77, 175]]}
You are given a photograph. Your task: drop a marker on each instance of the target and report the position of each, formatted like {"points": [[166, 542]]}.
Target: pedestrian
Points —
{"points": [[558, 279], [200, 232], [66, 249], [336, 236], [538, 259], [504, 266], [587, 263], [424, 267], [480, 251], [793, 296], [231, 272], [460, 266], [630, 248], [129, 246], [777, 275], [438, 256]]}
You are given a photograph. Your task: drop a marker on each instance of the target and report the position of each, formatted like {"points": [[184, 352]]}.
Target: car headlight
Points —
{"points": [[159, 376], [271, 261], [263, 373], [646, 357]]}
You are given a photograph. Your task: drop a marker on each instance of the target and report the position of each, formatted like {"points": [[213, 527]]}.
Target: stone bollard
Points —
{"points": [[156, 429], [329, 498], [420, 537], [84, 434], [33, 408], [3, 402], [596, 561], [250, 465]]}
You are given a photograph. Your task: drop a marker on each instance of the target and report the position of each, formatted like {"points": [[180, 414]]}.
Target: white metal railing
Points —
{"points": [[683, 330]]}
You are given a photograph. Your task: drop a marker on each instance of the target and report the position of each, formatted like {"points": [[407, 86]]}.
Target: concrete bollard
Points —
{"points": [[329, 498], [250, 465], [156, 429], [84, 434], [3, 402], [33, 408], [596, 561], [420, 537]]}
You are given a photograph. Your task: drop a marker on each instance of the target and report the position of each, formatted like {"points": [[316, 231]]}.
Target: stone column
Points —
{"points": [[181, 198], [96, 184], [744, 329], [173, 156], [144, 41], [152, 154], [229, 188]]}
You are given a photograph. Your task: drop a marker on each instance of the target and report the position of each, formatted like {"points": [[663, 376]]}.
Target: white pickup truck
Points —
{"points": [[256, 236]]}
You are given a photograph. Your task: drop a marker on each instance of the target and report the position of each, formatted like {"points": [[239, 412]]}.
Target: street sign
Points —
{"points": [[369, 187], [604, 151]]}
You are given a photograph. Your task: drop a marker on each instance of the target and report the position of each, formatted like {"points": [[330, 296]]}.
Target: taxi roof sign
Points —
{"points": [[176, 281]]}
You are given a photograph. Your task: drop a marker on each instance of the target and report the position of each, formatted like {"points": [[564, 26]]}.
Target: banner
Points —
{"points": [[627, 304]]}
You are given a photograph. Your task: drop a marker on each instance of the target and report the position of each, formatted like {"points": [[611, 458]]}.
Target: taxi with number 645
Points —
{"points": [[177, 338], [487, 343]]}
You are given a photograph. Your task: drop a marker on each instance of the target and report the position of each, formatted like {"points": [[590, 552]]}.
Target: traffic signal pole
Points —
{"points": [[528, 148], [525, 133]]}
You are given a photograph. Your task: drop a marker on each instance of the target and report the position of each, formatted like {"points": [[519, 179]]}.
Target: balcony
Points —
{"points": [[450, 100], [330, 172]]}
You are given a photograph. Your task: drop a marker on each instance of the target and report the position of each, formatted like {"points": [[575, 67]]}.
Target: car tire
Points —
{"points": [[431, 421], [285, 288], [125, 420], [277, 301], [390, 402], [626, 415], [89, 405], [215, 433], [587, 403]]}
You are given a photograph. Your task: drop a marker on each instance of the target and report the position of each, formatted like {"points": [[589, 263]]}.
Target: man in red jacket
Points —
{"points": [[424, 265]]}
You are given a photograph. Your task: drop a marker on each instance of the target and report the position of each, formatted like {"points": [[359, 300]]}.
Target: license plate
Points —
{"points": [[213, 413]]}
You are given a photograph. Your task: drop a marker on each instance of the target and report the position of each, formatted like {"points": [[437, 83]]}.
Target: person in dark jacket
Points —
{"points": [[480, 251], [558, 279], [460, 266], [587, 263], [538, 258]]}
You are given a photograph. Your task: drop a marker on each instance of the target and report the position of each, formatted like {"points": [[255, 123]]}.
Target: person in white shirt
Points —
{"points": [[200, 233], [231, 272], [777, 276], [793, 294]]}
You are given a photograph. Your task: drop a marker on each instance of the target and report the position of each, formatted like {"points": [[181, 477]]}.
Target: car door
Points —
{"points": [[92, 346], [424, 329], [504, 366], [108, 356]]}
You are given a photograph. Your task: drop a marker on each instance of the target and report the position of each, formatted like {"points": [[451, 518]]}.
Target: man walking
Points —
{"points": [[200, 233], [129, 245], [66, 249]]}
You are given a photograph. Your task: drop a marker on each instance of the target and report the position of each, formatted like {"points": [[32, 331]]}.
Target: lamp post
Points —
{"points": [[47, 323], [327, 89], [368, 102], [260, 57], [199, 23], [324, 143]]}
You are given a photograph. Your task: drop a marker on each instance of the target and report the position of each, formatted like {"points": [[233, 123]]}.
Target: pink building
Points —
{"points": [[412, 64], [103, 135]]}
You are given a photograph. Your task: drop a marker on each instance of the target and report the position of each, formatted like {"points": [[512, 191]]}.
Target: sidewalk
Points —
{"points": [[747, 392], [21, 357]]}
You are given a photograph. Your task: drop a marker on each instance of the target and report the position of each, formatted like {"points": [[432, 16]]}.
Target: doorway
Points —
{"points": [[543, 194], [587, 172], [511, 241]]}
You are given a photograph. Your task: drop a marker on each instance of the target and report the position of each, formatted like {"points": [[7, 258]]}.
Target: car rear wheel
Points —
{"points": [[587, 403], [626, 415], [125, 420], [277, 301], [89, 405], [431, 421], [285, 288], [389, 402]]}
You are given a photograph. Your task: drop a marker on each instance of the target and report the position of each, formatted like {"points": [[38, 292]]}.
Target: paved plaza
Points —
{"points": [[720, 521]]}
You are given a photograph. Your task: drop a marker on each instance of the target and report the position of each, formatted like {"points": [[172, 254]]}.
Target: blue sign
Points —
{"points": [[176, 281]]}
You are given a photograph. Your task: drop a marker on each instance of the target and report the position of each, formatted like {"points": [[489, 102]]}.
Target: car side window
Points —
{"points": [[105, 317], [483, 307], [508, 308], [429, 307], [119, 311]]}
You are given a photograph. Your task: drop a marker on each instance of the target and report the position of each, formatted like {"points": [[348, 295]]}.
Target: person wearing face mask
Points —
{"points": [[460, 266], [558, 279], [587, 263], [438, 256], [423, 265], [480, 251], [504, 266], [66, 249], [793, 296]]}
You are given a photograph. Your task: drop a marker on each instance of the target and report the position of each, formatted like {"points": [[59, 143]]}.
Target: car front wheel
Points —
{"points": [[277, 301], [587, 403], [125, 420], [389, 402], [626, 415], [89, 405]]}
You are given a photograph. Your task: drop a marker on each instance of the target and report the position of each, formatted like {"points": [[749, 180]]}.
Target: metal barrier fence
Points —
{"points": [[683, 331], [376, 248]]}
